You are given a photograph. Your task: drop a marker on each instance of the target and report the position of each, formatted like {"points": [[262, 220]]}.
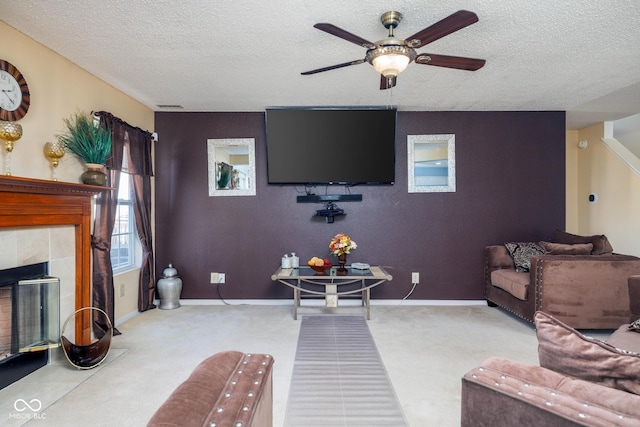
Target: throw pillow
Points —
{"points": [[562, 249], [521, 252], [635, 326], [601, 245], [563, 349]]}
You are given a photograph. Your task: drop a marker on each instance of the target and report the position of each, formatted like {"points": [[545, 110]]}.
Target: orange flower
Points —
{"points": [[342, 244]]}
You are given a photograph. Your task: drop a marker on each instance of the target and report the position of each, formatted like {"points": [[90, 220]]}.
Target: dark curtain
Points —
{"points": [[131, 153], [141, 170]]}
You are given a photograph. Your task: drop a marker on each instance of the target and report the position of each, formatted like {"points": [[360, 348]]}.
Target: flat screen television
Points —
{"points": [[331, 145]]}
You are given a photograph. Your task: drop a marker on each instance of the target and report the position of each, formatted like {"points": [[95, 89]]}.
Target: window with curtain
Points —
{"points": [[124, 241], [113, 208]]}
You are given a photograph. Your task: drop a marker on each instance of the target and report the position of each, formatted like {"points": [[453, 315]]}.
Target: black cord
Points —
{"points": [[220, 295], [223, 300]]}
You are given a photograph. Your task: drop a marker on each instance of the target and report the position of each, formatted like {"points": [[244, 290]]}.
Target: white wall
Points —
{"points": [[627, 131]]}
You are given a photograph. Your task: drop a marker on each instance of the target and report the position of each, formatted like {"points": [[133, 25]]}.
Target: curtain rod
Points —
{"points": [[96, 114]]}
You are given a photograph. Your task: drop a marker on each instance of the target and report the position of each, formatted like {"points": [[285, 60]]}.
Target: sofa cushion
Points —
{"points": [[625, 338], [517, 284], [600, 242], [565, 350], [635, 326], [522, 253], [564, 249]]}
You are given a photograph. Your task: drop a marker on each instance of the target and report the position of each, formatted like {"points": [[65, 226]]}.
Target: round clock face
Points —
{"points": [[14, 93], [11, 95]]}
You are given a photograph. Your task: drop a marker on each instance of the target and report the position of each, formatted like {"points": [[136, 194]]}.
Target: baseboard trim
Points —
{"points": [[321, 302], [119, 321]]}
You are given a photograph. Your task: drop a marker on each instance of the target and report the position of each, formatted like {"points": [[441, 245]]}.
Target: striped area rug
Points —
{"points": [[338, 377]]}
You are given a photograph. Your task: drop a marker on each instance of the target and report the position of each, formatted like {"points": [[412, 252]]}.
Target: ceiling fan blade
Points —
{"points": [[448, 25], [333, 67], [339, 32], [387, 82], [461, 63]]}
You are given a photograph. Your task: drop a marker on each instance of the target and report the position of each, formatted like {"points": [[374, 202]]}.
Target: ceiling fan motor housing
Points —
{"points": [[391, 19]]}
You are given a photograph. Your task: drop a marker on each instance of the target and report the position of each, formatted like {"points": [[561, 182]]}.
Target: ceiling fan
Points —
{"points": [[390, 56]]}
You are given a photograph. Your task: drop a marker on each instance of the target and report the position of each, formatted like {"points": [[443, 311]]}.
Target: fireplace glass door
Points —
{"points": [[37, 316]]}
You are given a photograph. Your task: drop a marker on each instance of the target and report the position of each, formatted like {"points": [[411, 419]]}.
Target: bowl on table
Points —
{"points": [[320, 269]]}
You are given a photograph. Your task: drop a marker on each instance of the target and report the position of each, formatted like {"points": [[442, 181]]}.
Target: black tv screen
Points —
{"points": [[331, 146]]}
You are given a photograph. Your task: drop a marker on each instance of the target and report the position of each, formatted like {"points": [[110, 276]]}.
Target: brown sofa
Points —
{"points": [[227, 389], [581, 381], [584, 291], [506, 393]]}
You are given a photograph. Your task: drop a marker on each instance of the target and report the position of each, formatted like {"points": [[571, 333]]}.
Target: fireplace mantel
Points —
{"points": [[27, 202]]}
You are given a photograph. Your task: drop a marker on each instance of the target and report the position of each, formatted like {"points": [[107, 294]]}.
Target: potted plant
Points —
{"points": [[89, 142]]}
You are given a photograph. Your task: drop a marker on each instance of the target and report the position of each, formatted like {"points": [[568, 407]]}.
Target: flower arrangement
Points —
{"points": [[341, 244]]}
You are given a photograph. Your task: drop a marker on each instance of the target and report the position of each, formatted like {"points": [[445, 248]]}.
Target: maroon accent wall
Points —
{"points": [[510, 186]]}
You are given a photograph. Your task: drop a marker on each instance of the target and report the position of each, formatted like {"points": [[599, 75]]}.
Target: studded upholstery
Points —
{"points": [[503, 392], [227, 389]]}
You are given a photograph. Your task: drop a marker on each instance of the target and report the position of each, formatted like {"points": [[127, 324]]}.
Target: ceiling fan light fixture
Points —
{"points": [[390, 64], [390, 60]]}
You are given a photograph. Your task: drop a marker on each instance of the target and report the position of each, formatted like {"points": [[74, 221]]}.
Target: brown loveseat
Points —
{"points": [[581, 381], [584, 291], [227, 389]]}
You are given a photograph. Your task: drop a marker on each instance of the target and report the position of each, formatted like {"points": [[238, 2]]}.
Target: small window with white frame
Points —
{"points": [[124, 240]]}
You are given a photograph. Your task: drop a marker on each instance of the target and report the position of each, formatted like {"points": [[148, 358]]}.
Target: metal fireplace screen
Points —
{"points": [[37, 314]]}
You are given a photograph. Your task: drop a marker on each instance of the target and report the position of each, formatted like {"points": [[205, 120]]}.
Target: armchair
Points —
{"points": [[584, 291]]}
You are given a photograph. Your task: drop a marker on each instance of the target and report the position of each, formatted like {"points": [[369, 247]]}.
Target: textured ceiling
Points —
{"points": [[582, 56]]}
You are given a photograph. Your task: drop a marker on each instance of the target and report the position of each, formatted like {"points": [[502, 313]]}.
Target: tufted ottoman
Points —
{"points": [[230, 388]]}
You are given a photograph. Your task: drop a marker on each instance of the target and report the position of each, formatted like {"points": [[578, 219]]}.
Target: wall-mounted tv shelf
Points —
{"points": [[324, 198], [330, 211]]}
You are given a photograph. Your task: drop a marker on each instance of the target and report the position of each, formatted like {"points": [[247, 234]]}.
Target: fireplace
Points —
{"points": [[29, 320], [31, 204]]}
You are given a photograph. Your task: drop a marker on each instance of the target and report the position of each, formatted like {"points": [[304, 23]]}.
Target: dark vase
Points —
{"points": [[94, 175], [342, 261]]}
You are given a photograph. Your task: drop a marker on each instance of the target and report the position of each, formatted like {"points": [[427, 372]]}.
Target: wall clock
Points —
{"points": [[14, 93]]}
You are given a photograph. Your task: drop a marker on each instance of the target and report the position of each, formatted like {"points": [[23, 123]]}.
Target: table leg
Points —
{"points": [[331, 300], [368, 303], [296, 301]]}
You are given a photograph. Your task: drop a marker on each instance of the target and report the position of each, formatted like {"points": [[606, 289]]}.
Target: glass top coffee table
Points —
{"points": [[332, 284]]}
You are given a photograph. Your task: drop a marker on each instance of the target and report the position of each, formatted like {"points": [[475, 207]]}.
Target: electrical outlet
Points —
{"points": [[415, 277], [214, 277], [122, 289], [221, 277]]}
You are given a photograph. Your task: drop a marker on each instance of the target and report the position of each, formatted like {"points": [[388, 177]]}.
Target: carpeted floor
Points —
{"points": [[425, 349], [338, 377]]}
